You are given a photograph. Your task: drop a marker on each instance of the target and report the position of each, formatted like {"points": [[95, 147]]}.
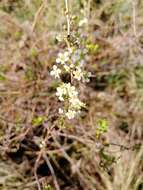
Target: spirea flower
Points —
{"points": [[61, 111], [61, 92], [55, 72], [70, 114], [65, 91], [67, 68], [76, 103], [63, 57], [72, 62], [71, 90], [78, 74]]}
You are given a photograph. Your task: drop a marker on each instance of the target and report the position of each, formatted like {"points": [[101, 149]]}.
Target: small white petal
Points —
{"points": [[67, 68], [61, 111], [70, 114], [58, 60]]}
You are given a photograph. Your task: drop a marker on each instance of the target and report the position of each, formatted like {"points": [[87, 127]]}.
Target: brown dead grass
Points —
{"points": [[27, 52]]}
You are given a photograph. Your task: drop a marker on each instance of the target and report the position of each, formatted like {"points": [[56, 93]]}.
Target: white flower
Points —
{"points": [[61, 91], [55, 72], [67, 68], [78, 74], [71, 114], [72, 66], [71, 91], [61, 111], [82, 22], [76, 103], [66, 91], [62, 57]]}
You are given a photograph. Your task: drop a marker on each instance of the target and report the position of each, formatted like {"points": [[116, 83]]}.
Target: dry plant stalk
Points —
{"points": [[37, 15], [67, 17]]}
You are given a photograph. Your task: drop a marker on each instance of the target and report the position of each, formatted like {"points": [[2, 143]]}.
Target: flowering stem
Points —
{"points": [[67, 17], [71, 62]]}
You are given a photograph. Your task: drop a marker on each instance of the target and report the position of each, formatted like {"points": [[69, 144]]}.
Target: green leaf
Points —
{"points": [[33, 52], [17, 35], [38, 120], [103, 125], [48, 187], [92, 47]]}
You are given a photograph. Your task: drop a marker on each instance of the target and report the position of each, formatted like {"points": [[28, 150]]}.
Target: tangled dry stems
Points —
{"points": [[27, 91]]}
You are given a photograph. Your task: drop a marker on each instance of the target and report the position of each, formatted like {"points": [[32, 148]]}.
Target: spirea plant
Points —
{"points": [[71, 61]]}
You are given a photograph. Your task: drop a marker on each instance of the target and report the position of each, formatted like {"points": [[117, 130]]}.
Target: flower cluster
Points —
{"points": [[62, 58], [65, 91], [71, 61], [68, 93], [56, 72]]}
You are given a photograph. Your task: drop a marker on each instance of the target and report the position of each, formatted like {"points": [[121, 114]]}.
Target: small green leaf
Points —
{"points": [[92, 47], [103, 125], [48, 187], [33, 52], [17, 35], [38, 120]]}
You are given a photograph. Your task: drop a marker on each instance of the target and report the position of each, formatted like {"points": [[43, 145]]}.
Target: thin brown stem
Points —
{"points": [[35, 171], [52, 171], [67, 17], [37, 15]]}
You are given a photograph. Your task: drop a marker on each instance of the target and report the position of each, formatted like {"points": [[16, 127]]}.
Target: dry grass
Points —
{"points": [[35, 153]]}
